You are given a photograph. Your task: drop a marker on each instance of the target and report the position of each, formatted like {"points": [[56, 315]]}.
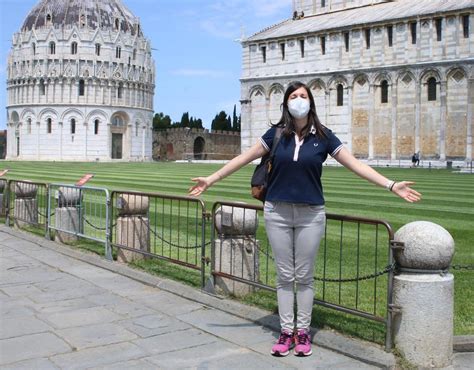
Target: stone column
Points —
{"points": [[236, 249], [371, 119], [26, 206], [394, 154], [349, 121], [133, 227], [68, 214], [442, 129], [423, 292], [470, 118], [417, 115]]}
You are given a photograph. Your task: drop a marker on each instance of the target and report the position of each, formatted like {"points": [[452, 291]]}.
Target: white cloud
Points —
{"points": [[225, 19], [191, 72]]}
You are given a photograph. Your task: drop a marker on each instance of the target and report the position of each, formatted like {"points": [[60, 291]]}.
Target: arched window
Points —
{"points": [[33, 48], [117, 121], [74, 48], [136, 128], [384, 92], [118, 52], [431, 89], [117, 24], [97, 49], [49, 19], [49, 125], [96, 127], [81, 87], [52, 48], [42, 89], [82, 20], [340, 95], [73, 126], [120, 91], [134, 54], [29, 125]]}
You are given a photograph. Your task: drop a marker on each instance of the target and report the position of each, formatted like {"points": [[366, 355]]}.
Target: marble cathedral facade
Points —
{"points": [[390, 78]]}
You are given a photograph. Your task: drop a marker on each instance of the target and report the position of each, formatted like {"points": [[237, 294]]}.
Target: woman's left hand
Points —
{"points": [[403, 190]]}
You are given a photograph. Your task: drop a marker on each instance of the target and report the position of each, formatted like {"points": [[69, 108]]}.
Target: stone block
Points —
{"points": [[25, 190], [69, 197], [25, 212], [67, 219], [239, 258], [132, 232]]}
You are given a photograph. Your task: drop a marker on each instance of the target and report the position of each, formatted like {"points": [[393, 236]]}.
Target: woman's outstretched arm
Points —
{"points": [[203, 183], [400, 188]]}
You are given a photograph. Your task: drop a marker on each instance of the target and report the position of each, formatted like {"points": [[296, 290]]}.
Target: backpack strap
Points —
{"points": [[276, 140]]}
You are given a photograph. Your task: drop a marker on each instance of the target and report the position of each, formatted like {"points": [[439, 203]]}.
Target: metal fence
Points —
{"points": [[27, 203], [3, 197], [150, 225], [354, 268], [79, 211]]}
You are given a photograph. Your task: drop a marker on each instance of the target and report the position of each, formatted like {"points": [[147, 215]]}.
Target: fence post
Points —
{"points": [[236, 249], [68, 214], [133, 226], [26, 204], [423, 294]]}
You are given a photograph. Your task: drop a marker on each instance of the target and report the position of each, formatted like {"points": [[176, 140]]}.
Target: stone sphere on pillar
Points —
{"points": [[428, 246]]}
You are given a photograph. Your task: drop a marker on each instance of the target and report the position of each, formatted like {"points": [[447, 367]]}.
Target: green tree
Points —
{"points": [[185, 120], [161, 122], [220, 121]]}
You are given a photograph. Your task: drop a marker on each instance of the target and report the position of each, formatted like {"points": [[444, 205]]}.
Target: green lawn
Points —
{"points": [[447, 200]]}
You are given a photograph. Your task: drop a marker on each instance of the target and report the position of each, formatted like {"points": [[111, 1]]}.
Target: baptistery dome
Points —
{"points": [[80, 84]]}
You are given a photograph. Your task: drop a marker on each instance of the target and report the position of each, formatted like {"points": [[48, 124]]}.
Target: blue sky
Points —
{"points": [[198, 60]]}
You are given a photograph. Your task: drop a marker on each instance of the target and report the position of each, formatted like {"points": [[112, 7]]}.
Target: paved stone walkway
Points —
{"points": [[58, 312]]}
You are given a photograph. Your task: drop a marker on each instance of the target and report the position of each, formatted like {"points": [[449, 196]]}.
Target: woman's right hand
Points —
{"points": [[202, 184]]}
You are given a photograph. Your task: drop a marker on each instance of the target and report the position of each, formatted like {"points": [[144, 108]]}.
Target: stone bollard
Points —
{"points": [[26, 206], [133, 226], [424, 295], [68, 215], [236, 249], [2, 190]]}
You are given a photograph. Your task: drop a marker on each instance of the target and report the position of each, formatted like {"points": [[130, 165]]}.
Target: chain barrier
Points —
{"points": [[93, 226], [172, 244], [387, 269], [462, 267]]}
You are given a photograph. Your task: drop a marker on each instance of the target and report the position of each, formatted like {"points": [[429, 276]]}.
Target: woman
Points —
{"points": [[294, 205]]}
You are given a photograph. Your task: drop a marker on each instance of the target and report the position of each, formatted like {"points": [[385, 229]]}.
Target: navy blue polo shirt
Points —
{"points": [[298, 166]]}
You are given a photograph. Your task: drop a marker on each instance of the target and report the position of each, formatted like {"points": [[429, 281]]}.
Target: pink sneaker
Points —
{"points": [[283, 345], [303, 343]]}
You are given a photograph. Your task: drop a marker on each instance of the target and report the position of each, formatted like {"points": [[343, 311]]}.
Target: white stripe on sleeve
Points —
{"points": [[335, 151], [264, 144]]}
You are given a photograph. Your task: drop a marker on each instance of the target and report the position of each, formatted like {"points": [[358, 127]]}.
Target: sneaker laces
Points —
{"points": [[302, 337], [284, 337]]}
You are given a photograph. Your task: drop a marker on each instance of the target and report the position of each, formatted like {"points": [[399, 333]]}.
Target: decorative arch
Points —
{"points": [[256, 91], [27, 113], [428, 73], [317, 84], [457, 73], [275, 96], [15, 117], [406, 76], [336, 80], [72, 112], [97, 114], [361, 79], [48, 113]]}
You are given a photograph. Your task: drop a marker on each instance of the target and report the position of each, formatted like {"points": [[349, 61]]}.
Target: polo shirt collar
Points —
{"points": [[312, 131]]}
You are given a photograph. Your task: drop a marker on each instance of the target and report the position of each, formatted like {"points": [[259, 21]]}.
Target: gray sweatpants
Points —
{"points": [[294, 232]]}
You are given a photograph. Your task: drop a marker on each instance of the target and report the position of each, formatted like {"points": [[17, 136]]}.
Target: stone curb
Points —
{"points": [[463, 343], [360, 350]]}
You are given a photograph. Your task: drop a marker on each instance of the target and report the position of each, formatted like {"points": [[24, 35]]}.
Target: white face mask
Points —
{"points": [[298, 107]]}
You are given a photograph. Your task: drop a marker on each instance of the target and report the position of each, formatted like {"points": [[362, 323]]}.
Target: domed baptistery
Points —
{"points": [[80, 84]]}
